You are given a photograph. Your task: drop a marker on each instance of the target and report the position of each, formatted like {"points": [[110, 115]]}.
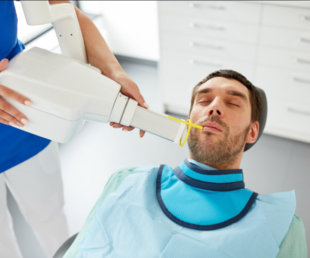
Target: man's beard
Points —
{"points": [[218, 154]]}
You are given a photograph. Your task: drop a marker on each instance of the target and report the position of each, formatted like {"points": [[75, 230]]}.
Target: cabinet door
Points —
{"points": [[286, 59], [208, 28], [290, 85], [208, 47], [286, 17], [223, 10], [298, 40], [288, 119]]}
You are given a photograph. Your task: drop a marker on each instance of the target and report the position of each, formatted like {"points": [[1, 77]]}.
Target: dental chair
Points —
{"points": [[262, 122], [65, 246]]}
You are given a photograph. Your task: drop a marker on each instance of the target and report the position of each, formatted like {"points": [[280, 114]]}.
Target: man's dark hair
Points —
{"points": [[255, 99]]}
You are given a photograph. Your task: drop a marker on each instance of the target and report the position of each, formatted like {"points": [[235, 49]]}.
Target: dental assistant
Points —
{"points": [[29, 164]]}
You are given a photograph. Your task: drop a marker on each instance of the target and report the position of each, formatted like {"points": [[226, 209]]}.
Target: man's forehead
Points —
{"points": [[224, 84]]}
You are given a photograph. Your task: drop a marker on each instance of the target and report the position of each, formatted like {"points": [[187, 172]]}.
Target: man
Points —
{"points": [[200, 208]]}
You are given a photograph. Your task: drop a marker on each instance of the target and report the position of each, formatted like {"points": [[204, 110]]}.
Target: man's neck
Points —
{"points": [[200, 165], [234, 165]]}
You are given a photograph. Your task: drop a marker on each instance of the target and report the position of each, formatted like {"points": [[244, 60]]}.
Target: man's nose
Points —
{"points": [[215, 108]]}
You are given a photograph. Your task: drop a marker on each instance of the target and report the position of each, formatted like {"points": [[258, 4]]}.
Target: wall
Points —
{"points": [[132, 28]]}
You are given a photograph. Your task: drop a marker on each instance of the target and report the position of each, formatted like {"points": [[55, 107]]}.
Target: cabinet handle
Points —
{"points": [[304, 18], [210, 27], [296, 111], [217, 7], [195, 62], [295, 79], [299, 39], [195, 44], [298, 60]]}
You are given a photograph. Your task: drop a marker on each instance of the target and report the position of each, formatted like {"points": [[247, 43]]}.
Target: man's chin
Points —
{"points": [[211, 136], [209, 142]]}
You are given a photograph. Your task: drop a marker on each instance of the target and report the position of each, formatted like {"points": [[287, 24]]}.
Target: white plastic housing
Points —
{"points": [[65, 22], [65, 93], [119, 106], [156, 123], [37, 12], [129, 112], [68, 31], [59, 87]]}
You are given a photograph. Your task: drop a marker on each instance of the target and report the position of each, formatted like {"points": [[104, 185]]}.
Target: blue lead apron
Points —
{"points": [[16, 146], [188, 212], [203, 199]]}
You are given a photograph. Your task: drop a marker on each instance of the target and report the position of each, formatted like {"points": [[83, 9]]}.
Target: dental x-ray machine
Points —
{"points": [[66, 90]]}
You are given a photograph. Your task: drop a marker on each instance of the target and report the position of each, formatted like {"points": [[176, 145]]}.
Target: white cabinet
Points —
{"points": [[266, 42]]}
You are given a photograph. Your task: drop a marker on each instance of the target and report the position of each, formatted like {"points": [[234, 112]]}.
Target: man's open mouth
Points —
{"points": [[212, 127]]}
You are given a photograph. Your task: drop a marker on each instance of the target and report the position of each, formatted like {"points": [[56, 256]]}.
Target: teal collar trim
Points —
{"points": [[213, 180]]}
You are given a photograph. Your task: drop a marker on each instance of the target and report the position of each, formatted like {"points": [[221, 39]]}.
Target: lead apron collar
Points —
{"points": [[202, 199]]}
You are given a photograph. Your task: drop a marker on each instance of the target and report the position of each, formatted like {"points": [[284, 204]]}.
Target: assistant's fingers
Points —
{"points": [[141, 133], [3, 64], [10, 119], [116, 125], [8, 108], [128, 128], [138, 97], [131, 90], [11, 94], [3, 121]]}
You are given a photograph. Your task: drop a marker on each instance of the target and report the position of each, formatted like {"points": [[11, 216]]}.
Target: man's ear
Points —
{"points": [[253, 134]]}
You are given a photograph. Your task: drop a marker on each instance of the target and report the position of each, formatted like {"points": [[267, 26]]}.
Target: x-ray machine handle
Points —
{"points": [[65, 22]]}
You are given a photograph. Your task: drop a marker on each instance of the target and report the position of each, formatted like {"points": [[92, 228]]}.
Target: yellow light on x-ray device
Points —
{"points": [[190, 124]]}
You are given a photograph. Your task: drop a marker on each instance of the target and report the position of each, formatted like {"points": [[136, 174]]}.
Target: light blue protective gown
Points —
{"points": [[165, 212]]}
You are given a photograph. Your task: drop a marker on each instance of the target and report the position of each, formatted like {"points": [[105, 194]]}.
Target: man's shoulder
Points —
{"points": [[297, 227], [297, 222], [118, 176], [294, 243], [139, 169]]}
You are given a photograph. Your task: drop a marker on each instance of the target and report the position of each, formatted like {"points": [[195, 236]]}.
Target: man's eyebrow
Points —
{"points": [[205, 90], [238, 94]]}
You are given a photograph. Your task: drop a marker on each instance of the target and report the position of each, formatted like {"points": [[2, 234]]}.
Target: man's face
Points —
{"points": [[222, 106]]}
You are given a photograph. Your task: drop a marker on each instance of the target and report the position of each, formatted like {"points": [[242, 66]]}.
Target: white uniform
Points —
{"points": [[36, 185]]}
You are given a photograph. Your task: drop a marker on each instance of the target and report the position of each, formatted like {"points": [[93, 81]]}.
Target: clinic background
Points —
{"points": [[167, 47]]}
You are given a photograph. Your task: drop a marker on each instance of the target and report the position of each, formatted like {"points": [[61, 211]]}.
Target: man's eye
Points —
{"points": [[233, 104], [204, 101]]}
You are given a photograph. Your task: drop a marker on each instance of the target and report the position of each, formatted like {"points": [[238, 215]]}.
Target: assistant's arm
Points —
{"points": [[100, 56]]}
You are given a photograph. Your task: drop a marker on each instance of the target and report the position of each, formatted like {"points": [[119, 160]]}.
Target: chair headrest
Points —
{"points": [[262, 118]]}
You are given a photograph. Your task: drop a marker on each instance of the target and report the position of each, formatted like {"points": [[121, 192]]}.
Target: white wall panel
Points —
{"points": [[132, 28]]}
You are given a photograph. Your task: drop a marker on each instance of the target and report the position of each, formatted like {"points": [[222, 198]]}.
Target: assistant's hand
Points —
{"points": [[130, 89], [8, 114], [99, 55]]}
